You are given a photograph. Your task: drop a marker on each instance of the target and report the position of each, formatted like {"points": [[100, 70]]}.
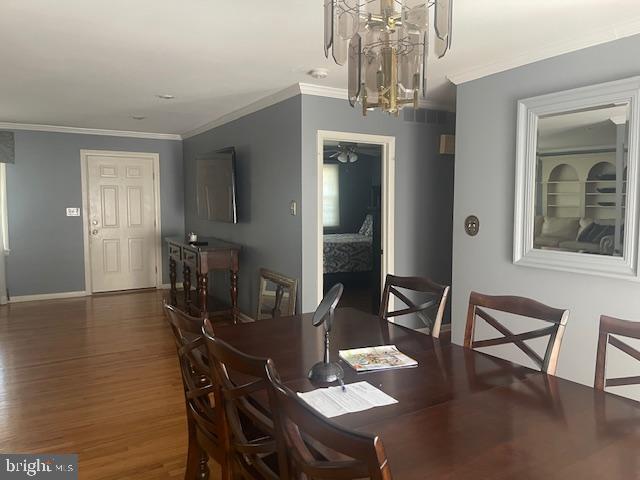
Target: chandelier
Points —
{"points": [[385, 43]]}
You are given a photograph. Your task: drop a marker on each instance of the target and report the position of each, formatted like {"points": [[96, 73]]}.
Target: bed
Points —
{"points": [[349, 252]]}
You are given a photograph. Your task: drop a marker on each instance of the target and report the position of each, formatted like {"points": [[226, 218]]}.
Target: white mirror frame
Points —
{"points": [[529, 110]]}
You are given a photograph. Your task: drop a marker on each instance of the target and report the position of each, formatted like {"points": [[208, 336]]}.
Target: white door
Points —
{"points": [[121, 218]]}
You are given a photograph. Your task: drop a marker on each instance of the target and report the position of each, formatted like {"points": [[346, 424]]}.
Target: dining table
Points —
{"points": [[460, 413]]}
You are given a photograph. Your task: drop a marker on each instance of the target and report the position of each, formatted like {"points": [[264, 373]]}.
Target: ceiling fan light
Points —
{"points": [[353, 157], [343, 157]]}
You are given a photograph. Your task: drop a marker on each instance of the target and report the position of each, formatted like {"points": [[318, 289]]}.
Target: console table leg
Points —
{"points": [[186, 283], [203, 291], [234, 295], [172, 278]]}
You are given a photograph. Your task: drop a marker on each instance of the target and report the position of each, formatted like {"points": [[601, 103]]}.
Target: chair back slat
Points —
{"points": [[610, 326], [524, 307], [302, 432], [250, 432], [439, 294]]}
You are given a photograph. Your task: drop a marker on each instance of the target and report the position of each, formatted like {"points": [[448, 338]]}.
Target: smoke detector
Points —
{"points": [[318, 73]]}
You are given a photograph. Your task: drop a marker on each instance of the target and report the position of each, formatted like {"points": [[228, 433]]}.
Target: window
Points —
{"points": [[331, 195], [4, 233]]}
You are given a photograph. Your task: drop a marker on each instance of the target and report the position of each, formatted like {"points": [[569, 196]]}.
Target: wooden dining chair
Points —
{"points": [[609, 327], [277, 295], [524, 307], [250, 440], [302, 433], [204, 419], [425, 311]]}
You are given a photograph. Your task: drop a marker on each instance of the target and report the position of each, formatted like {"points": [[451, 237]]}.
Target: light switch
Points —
{"points": [[293, 207], [73, 212]]}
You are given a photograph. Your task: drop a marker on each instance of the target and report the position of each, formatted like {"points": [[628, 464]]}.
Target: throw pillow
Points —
{"points": [[583, 235], [584, 224], [367, 226]]}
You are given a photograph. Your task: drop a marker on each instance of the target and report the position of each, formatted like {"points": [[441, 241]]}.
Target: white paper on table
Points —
{"points": [[333, 401]]}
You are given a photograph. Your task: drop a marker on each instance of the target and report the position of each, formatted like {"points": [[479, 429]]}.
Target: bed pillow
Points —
{"points": [[367, 226]]}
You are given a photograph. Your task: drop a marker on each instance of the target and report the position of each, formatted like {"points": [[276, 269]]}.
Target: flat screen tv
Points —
{"points": [[216, 186]]}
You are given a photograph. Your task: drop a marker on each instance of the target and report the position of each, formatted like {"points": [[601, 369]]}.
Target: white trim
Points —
{"points": [[46, 296], [244, 318], [4, 217], [625, 267], [289, 92], [584, 40], [167, 286], [342, 94], [87, 131], [155, 159], [387, 265], [260, 104], [323, 91]]}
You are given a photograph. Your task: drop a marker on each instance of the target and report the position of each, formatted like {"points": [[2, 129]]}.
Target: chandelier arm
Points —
{"points": [[328, 18], [425, 54]]}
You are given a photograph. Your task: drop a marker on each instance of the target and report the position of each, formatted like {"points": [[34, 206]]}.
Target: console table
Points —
{"points": [[208, 255]]}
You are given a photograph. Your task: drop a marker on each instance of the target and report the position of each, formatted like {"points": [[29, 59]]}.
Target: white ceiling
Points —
{"points": [[596, 126], [94, 63]]}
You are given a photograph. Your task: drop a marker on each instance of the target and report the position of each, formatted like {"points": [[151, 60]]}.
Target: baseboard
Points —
{"points": [[46, 296], [167, 286], [244, 318]]}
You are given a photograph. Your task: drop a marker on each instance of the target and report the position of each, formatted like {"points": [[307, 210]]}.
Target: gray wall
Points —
{"points": [[46, 246], [485, 172], [424, 189], [267, 146]]}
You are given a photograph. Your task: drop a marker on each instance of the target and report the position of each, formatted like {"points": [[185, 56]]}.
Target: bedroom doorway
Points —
{"points": [[354, 216]]}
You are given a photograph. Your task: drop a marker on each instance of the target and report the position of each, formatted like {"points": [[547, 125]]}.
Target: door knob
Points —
{"points": [[94, 222], [94, 232]]}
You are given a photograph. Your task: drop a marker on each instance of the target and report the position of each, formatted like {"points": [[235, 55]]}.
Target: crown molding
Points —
{"points": [[289, 92], [322, 91], [277, 97], [596, 37], [87, 131], [342, 94]]}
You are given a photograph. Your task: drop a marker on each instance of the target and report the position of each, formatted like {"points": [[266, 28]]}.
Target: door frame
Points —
{"points": [[388, 167], [84, 169]]}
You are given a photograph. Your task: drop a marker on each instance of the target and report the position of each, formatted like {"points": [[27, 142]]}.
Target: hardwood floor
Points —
{"points": [[97, 376]]}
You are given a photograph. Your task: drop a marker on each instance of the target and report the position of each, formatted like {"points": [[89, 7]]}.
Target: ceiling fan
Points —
{"points": [[345, 152]]}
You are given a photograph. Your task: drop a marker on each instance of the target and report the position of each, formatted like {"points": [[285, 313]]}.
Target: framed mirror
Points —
{"points": [[277, 295], [576, 180]]}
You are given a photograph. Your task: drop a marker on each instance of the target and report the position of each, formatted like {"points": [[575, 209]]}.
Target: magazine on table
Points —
{"points": [[383, 357]]}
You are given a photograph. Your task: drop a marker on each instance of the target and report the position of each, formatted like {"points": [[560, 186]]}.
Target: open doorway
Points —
{"points": [[352, 223]]}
